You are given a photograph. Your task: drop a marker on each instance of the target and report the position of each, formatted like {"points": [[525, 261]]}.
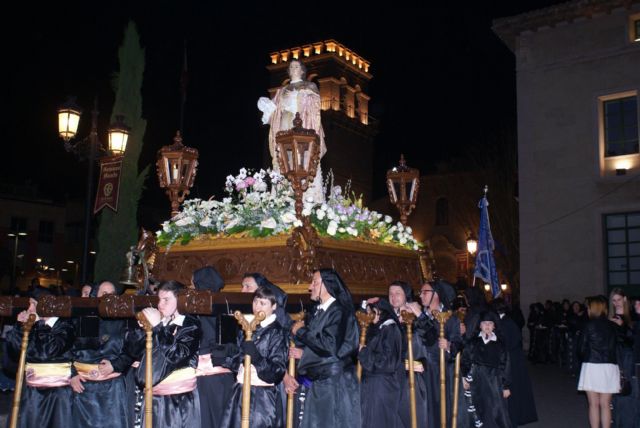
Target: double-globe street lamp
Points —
{"points": [[91, 149]]}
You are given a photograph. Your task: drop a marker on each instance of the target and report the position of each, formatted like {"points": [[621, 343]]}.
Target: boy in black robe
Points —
{"points": [[46, 396], [176, 339], [486, 372], [268, 351], [100, 398]]}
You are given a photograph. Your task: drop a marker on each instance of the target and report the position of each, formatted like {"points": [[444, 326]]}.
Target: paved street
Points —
{"points": [[559, 404]]}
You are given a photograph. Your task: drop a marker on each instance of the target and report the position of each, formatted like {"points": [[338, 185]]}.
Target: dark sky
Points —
{"points": [[442, 81]]}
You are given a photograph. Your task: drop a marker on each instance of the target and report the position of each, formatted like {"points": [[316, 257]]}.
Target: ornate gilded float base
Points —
{"points": [[367, 268]]}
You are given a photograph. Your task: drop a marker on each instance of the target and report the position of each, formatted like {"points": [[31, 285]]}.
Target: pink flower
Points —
{"points": [[241, 185], [249, 181]]}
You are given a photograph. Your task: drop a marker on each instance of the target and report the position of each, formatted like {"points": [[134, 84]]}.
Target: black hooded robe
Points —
{"points": [[382, 372], [330, 343], [522, 405], [266, 401], [103, 403], [44, 407], [214, 390], [174, 347], [488, 365]]}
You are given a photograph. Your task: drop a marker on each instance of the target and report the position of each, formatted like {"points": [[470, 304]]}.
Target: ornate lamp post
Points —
{"points": [[298, 157], [177, 165], [403, 184], [91, 149]]}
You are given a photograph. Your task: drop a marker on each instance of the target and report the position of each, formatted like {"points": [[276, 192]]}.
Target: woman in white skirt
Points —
{"points": [[599, 376]]}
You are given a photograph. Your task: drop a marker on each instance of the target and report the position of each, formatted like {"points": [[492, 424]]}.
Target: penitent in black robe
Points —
{"points": [[420, 388], [522, 405], [488, 366], [330, 344], [214, 390], [382, 373], [174, 347], [103, 403], [44, 407], [427, 329], [266, 401]]}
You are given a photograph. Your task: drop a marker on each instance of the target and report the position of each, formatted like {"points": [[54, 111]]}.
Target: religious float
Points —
{"points": [[270, 222]]}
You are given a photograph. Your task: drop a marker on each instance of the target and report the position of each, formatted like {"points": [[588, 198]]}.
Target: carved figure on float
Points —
{"points": [[297, 96]]}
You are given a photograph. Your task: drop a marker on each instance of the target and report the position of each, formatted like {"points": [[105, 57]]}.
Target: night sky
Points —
{"points": [[442, 81]]}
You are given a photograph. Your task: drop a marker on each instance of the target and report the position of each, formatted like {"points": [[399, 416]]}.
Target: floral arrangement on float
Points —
{"points": [[260, 204]]}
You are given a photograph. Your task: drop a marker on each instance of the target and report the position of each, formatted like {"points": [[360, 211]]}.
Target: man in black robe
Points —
{"points": [[401, 297], [522, 405], [215, 382], [176, 339], [329, 346], [99, 398], [46, 396], [437, 297]]}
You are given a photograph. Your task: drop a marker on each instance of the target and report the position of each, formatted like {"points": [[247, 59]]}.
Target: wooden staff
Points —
{"points": [[408, 318], [364, 319], [456, 379], [26, 329], [148, 373], [442, 318], [248, 328], [292, 372]]}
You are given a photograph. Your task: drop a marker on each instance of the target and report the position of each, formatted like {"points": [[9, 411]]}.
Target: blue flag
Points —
{"points": [[485, 263]]}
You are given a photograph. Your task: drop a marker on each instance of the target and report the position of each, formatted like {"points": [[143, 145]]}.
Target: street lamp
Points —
{"points": [[472, 244], [298, 157], [176, 166], [91, 149], [403, 184], [15, 237]]}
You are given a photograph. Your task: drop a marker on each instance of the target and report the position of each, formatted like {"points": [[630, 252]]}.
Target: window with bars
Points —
{"points": [[620, 126], [622, 237]]}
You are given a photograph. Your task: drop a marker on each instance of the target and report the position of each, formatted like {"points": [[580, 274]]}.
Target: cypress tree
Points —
{"points": [[118, 231]]}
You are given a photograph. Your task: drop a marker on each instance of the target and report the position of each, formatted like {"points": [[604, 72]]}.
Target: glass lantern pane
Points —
{"points": [[117, 142], [392, 191], [175, 171], [398, 190]]}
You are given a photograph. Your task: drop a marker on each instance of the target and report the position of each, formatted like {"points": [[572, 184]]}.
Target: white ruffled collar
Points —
{"points": [[492, 337]]}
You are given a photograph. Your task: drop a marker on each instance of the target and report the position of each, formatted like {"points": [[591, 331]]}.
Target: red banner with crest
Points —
{"points": [[108, 184]]}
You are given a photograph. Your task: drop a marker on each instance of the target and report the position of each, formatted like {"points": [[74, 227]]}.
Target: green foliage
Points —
{"points": [[118, 231]]}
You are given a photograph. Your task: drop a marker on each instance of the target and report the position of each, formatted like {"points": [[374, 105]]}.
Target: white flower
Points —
{"points": [[260, 186], [352, 231], [342, 230], [343, 217], [309, 199], [269, 223], [321, 214], [409, 230], [324, 207], [403, 240], [184, 221], [205, 222], [388, 219], [165, 227], [226, 201], [297, 223], [243, 173], [306, 211], [415, 247], [288, 217], [332, 228]]}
